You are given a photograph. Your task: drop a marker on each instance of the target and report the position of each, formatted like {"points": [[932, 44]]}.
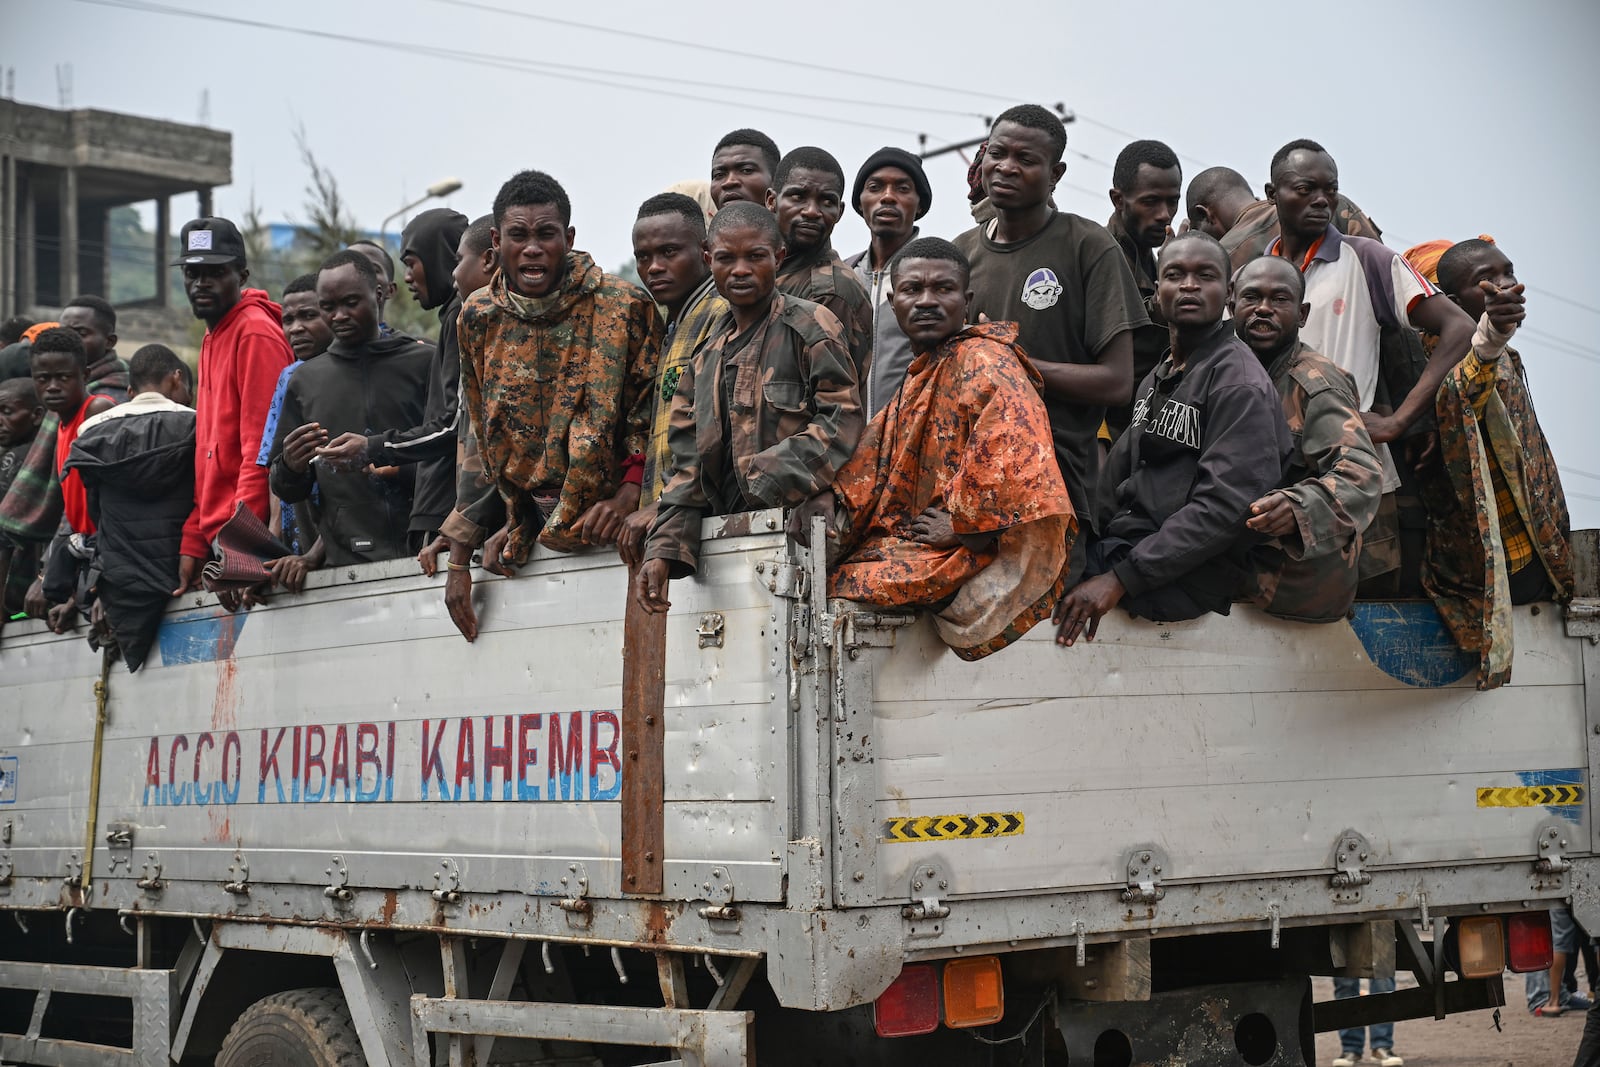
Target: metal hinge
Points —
{"points": [[119, 843], [1550, 861], [6, 870], [73, 879], [710, 629], [928, 880], [1145, 865], [447, 882], [1583, 618], [238, 882], [1350, 852], [719, 895], [580, 912], [338, 888], [783, 579], [151, 881]]}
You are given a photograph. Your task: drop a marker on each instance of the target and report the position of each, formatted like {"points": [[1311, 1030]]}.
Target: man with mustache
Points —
{"points": [[1207, 439], [1334, 480], [807, 195], [891, 193]]}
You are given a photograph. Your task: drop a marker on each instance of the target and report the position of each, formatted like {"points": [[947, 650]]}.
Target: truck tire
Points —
{"points": [[295, 1028]]}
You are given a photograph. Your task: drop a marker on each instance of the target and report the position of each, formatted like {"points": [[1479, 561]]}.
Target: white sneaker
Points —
{"points": [[1344, 1059], [1386, 1058]]}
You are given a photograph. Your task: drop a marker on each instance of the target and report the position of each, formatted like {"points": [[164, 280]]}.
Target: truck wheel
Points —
{"points": [[295, 1028]]}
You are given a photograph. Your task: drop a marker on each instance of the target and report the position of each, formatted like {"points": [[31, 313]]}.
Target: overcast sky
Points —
{"points": [[1446, 120]]}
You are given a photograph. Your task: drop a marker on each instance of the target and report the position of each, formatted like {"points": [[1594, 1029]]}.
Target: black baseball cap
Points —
{"points": [[209, 240]]}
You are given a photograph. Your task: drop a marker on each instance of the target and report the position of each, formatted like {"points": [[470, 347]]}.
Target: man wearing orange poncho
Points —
{"points": [[953, 500]]}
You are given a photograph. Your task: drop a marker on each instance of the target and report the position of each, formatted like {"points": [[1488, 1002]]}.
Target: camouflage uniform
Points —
{"points": [[1487, 421], [821, 277], [557, 391], [700, 315], [794, 421], [1257, 227], [1334, 481]]}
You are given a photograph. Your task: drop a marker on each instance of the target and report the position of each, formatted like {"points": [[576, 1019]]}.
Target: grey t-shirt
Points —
{"points": [[1069, 290]]}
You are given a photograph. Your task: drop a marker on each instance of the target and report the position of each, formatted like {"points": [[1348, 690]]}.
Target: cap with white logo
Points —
{"points": [[209, 240]]}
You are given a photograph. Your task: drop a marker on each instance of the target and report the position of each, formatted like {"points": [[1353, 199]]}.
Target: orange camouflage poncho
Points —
{"points": [[967, 433]]}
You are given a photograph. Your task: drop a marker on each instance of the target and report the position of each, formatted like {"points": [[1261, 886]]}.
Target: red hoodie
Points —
{"points": [[240, 360]]}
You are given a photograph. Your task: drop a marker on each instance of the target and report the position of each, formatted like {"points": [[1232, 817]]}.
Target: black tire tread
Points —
{"points": [[320, 1013]]}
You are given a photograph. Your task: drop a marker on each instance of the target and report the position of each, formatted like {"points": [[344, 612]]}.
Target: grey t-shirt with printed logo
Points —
{"points": [[1069, 290]]}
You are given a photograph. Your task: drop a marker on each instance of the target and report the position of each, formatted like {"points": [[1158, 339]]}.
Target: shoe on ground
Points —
{"points": [[1385, 1057], [1346, 1059], [1577, 1002], [1547, 1011]]}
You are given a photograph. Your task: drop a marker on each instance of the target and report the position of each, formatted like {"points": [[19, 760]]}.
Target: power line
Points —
{"points": [[1583, 496], [1585, 474]]}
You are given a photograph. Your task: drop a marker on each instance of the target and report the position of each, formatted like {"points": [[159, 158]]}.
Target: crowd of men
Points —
{"points": [[1043, 417]]}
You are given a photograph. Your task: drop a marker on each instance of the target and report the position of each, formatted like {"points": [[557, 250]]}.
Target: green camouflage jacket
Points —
{"points": [[557, 392], [1334, 482], [795, 418], [821, 277], [700, 315]]}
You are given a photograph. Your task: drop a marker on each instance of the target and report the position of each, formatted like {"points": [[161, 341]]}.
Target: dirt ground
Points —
{"points": [[1470, 1040]]}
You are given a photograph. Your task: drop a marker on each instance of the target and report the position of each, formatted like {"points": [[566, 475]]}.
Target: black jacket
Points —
{"points": [[138, 470], [366, 389], [1204, 443], [432, 237]]}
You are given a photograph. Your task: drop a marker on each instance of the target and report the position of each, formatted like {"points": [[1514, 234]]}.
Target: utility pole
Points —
{"points": [[924, 152]]}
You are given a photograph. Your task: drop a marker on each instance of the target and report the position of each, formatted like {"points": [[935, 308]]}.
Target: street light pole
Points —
{"points": [[443, 187]]}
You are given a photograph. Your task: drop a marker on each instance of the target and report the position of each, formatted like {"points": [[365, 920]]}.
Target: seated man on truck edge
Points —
{"points": [[365, 383], [1498, 529], [808, 198], [557, 362], [669, 247], [1207, 438], [953, 500], [1331, 489], [765, 415]]}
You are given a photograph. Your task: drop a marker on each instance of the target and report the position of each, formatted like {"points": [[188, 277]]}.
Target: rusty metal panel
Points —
{"points": [[644, 655]]}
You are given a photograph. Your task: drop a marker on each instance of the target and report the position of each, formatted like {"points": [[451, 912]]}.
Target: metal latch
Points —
{"points": [[1350, 852], [119, 842], [783, 579], [1144, 864], [238, 882], [928, 880], [1583, 618], [6, 870], [580, 912], [719, 895], [151, 881], [338, 888], [710, 629], [73, 879], [447, 882], [1550, 861]]}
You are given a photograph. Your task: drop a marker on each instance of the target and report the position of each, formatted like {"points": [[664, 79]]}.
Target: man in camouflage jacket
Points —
{"points": [[1334, 480], [764, 416]]}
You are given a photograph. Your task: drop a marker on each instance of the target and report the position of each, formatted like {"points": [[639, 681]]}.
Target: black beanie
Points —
{"points": [[894, 157]]}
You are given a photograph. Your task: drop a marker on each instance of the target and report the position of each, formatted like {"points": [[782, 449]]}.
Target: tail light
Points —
{"points": [[1482, 946], [973, 992], [910, 1006], [1528, 943]]}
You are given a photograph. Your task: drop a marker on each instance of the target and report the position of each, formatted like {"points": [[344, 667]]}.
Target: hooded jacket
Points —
{"points": [[240, 360], [432, 238], [364, 388], [137, 465]]}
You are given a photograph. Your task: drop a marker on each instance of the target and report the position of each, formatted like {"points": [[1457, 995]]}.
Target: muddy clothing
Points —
{"points": [[366, 389], [891, 348], [1206, 440], [30, 509], [967, 433], [1070, 293], [558, 391], [792, 420], [1334, 482], [432, 238], [685, 334], [1150, 342], [821, 277], [1487, 423], [1256, 228]]}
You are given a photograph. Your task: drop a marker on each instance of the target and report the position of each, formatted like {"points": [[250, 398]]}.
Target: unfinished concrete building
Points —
{"points": [[61, 174]]}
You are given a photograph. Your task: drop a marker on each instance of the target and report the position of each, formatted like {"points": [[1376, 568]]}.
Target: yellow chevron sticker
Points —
{"points": [[1530, 796], [953, 827]]}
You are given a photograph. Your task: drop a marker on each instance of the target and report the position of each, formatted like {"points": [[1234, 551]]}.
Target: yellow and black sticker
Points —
{"points": [[953, 827], [1530, 796]]}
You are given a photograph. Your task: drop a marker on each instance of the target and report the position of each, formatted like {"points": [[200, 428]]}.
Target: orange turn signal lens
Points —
{"points": [[1528, 941], [910, 1006], [1482, 946], [974, 995]]}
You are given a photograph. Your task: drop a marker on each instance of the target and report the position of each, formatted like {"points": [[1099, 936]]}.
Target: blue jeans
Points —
{"points": [[1563, 938], [1380, 1034]]}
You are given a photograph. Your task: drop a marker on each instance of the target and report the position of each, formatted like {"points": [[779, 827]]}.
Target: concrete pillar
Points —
{"points": [[204, 193], [69, 233], [163, 272], [8, 237], [28, 242]]}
